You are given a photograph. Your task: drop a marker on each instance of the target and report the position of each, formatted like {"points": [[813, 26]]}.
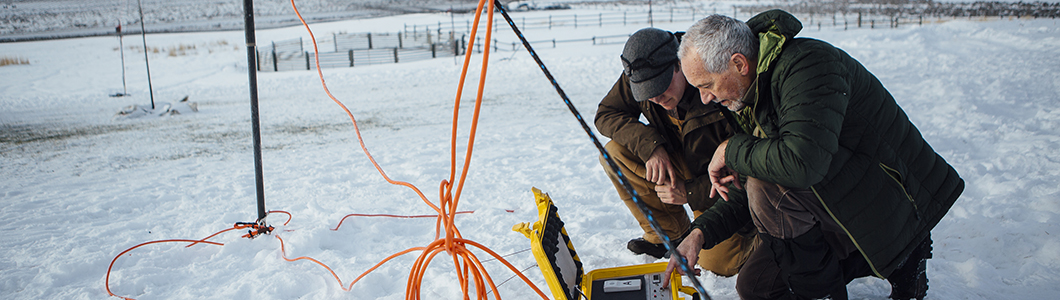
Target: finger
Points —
{"points": [[727, 180], [656, 176], [666, 274], [649, 174], [670, 175], [723, 191]]}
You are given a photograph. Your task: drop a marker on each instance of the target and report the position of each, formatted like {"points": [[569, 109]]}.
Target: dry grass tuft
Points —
{"points": [[7, 60]]}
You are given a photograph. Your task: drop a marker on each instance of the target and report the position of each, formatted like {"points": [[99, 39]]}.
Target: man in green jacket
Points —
{"points": [[665, 160], [839, 182]]}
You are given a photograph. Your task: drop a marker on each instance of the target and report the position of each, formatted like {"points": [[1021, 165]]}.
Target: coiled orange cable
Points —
{"points": [[453, 243]]}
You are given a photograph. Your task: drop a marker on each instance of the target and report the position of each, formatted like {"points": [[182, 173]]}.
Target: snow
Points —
{"points": [[80, 186]]}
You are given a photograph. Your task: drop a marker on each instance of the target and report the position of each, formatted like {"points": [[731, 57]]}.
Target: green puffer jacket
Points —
{"points": [[618, 118], [825, 123]]}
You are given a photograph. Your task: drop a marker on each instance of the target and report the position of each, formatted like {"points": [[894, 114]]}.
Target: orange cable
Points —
{"points": [[215, 234], [360, 140], [453, 242], [391, 216], [283, 212], [107, 280]]}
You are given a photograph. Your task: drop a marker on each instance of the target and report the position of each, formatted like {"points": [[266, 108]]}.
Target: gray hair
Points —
{"points": [[716, 38]]}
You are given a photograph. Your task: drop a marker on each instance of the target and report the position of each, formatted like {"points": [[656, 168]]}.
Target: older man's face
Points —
{"points": [[726, 88]]}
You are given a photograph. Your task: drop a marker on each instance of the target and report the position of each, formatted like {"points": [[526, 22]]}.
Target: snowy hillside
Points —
{"points": [[79, 186]]}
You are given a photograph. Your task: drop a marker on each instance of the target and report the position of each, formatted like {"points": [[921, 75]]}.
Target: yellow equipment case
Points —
{"points": [[563, 271]]}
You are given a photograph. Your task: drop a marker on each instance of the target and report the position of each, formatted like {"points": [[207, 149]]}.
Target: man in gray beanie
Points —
{"points": [[666, 160]]}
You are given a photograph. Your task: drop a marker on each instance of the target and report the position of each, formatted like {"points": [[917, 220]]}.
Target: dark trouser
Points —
{"points": [[804, 254], [801, 268]]}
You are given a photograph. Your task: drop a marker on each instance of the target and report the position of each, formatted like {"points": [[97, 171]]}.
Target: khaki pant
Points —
{"points": [[724, 259]]}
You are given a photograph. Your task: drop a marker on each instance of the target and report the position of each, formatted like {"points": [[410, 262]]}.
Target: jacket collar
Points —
{"points": [[774, 28]]}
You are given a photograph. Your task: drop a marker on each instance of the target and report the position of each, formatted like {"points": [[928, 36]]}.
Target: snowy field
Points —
{"points": [[80, 186]]}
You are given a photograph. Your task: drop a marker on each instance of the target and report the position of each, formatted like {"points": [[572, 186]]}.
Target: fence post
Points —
{"points": [[351, 58], [859, 19], [549, 22], [369, 40], [433, 53], [456, 45], [575, 21], [671, 14], [306, 60], [335, 38], [623, 18], [601, 19], [401, 43], [594, 40], [395, 55], [553, 43], [275, 67]]}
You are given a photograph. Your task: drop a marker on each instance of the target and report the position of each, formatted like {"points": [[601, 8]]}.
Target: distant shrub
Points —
{"points": [[7, 60]]}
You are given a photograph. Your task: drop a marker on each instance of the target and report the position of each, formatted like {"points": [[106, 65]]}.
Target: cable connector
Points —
{"points": [[255, 230]]}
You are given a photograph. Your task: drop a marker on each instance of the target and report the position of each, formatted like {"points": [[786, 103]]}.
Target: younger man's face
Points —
{"points": [[672, 96]]}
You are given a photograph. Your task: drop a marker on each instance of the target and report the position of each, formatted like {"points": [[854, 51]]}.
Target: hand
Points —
{"points": [[689, 249], [659, 168], [672, 194], [720, 174]]}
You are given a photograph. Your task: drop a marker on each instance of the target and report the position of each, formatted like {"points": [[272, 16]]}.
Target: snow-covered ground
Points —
{"points": [[79, 186]]}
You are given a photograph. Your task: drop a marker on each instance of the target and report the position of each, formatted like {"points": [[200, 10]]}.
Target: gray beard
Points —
{"points": [[736, 105]]}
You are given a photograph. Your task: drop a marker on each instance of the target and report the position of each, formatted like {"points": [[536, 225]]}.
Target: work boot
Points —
{"points": [[642, 246], [910, 280]]}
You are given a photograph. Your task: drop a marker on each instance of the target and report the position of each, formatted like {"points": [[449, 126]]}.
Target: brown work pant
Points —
{"points": [[724, 259], [803, 251]]}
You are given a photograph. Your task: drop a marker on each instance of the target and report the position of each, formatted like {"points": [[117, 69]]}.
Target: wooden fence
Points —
{"points": [[425, 41], [350, 50]]}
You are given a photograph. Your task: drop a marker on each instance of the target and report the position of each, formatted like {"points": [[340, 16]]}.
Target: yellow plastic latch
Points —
{"points": [[524, 228]]}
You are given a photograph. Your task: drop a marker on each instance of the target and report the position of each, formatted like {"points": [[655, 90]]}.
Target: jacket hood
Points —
{"points": [[774, 28]]}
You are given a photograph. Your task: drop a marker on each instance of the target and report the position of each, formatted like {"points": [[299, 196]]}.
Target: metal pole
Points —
{"points": [[121, 46], [248, 27], [143, 35], [651, 23]]}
